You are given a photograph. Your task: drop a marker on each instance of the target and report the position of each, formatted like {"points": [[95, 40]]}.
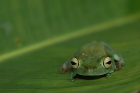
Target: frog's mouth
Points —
{"points": [[93, 72], [89, 77]]}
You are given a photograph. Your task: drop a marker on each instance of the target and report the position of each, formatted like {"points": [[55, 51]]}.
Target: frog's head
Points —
{"points": [[91, 66]]}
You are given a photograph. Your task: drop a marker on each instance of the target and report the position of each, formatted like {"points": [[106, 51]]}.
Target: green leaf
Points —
{"points": [[38, 36]]}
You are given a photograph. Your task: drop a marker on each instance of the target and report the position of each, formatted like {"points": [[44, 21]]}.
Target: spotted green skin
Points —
{"points": [[91, 58]]}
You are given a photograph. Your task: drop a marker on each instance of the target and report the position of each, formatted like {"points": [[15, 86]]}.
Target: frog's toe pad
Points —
{"points": [[108, 76], [63, 70]]}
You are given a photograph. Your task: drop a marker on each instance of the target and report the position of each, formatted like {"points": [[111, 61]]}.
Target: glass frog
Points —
{"points": [[93, 59]]}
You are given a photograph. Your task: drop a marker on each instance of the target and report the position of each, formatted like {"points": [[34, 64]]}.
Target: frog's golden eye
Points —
{"points": [[74, 63], [107, 62]]}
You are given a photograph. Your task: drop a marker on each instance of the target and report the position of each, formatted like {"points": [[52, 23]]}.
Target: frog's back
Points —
{"points": [[94, 48]]}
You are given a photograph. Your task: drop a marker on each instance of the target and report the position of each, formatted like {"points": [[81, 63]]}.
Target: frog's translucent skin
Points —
{"points": [[90, 60]]}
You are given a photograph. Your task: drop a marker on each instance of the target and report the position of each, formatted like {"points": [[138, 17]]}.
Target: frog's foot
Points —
{"points": [[119, 65], [71, 79], [108, 75], [63, 70], [72, 76]]}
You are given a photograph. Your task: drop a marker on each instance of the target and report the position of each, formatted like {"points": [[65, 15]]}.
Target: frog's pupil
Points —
{"points": [[73, 63], [109, 62]]}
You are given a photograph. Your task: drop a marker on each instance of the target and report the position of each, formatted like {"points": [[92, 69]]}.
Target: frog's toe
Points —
{"points": [[119, 66], [71, 80], [63, 70], [108, 75]]}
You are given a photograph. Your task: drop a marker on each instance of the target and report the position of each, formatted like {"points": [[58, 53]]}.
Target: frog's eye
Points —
{"points": [[74, 63], [107, 62]]}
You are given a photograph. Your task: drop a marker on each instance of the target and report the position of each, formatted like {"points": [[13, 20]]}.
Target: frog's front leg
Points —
{"points": [[120, 64], [108, 75], [119, 61], [65, 67], [72, 76]]}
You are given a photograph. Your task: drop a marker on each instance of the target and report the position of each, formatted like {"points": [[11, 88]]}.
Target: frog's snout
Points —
{"points": [[90, 68], [92, 71]]}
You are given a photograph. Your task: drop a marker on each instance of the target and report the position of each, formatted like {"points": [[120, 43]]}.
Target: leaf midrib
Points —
{"points": [[73, 34]]}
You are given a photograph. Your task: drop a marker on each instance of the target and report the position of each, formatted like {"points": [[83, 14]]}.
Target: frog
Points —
{"points": [[93, 59]]}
